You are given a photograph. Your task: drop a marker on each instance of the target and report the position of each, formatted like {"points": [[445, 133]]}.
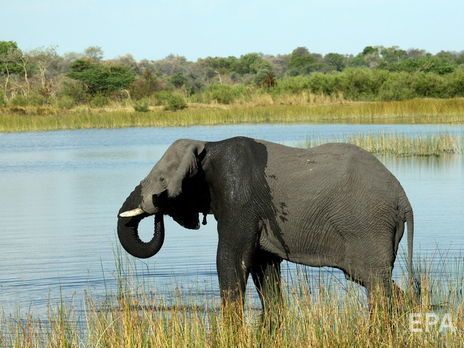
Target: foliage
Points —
{"points": [[145, 85], [65, 102], [376, 73], [73, 89], [265, 77], [9, 58], [178, 80], [222, 94], [175, 102], [99, 77], [99, 101], [141, 106]]}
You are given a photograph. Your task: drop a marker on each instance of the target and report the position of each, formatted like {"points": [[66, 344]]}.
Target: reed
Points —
{"points": [[329, 318], [401, 145], [264, 110]]}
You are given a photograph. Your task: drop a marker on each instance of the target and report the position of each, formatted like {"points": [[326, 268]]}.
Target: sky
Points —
{"points": [[199, 28]]}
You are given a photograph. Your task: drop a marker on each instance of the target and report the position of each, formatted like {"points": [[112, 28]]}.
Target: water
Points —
{"points": [[60, 192]]}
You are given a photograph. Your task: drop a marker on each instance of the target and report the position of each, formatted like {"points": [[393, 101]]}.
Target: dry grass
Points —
{"points": [[265, 110], [400, 145], [328, 320], [316, 314]]}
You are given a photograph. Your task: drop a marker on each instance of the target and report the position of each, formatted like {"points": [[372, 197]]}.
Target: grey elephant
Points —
{"points": [[332, 205]]}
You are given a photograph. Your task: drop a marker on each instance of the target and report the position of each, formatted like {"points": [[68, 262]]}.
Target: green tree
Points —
{"points": [[99, 77], [250, 63], [178, 80], [301, 61], [265, 77], [335, 61]]}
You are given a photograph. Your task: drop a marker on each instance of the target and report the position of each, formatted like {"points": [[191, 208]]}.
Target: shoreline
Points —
{"points": [[414, 111]]}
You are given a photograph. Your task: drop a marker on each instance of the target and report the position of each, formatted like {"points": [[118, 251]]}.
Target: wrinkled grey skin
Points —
{"points": [[332, 205]]}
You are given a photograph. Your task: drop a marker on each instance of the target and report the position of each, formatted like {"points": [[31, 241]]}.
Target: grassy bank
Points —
{"points": [[330, 320], [403, 146], [415, 111]]}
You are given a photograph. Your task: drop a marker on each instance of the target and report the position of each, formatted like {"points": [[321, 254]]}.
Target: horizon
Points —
{"points": [[205, 28]]}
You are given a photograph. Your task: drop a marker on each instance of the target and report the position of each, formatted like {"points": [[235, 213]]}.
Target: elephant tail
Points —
{"points": [[409, 218]]}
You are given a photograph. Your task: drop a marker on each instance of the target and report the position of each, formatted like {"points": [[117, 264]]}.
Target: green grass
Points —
{"points": [[330, 316], [403, 146], [449, 111], [329, 319]]}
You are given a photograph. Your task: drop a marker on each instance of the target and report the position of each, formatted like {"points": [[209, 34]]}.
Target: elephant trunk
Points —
{"points": [[128, 229]]}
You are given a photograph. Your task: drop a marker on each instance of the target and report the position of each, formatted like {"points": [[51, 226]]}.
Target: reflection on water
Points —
{"points": [[60, 192]]}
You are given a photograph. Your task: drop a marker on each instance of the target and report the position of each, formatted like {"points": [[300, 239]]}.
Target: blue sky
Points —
{"points": [[199, 28]]}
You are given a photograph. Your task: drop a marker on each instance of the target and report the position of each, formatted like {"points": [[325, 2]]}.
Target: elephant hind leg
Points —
{"points": [[266, 277], [378, 283]]}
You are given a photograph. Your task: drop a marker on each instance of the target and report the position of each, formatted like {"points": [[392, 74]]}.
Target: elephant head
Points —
{"points": [[175, 187]]}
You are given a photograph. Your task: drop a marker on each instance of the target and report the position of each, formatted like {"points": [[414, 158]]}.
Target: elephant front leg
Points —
{"points": [[234, 257], [233, 271]]}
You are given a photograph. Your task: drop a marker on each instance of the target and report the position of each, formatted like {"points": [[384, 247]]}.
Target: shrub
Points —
{"points": [[73, 89], [361, 83], [36, 99], [141, 106], [223, 94], [65, 102], [19, 100], [427, 85], [2, 99], [175, 102], [397, 87], [323, 83], [99, 101], [455, 84]]}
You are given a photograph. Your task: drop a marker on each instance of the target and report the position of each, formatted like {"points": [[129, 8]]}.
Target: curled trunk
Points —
{"points": [[128, 229]]}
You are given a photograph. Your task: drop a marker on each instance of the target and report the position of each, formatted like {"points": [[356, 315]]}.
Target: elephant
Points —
{"points": [[332, 205]]}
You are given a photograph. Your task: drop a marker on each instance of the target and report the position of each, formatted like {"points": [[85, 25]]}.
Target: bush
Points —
{"points": [[65, 102], [397, 87], [429, 85], [293, 84], [19, 100], [99, 101], [2, 99], [36, 99], [73, 89], [455, 84], [141, 106], [223, 94], [162, 97], [361, 83], [322, 83], [175, 102]]}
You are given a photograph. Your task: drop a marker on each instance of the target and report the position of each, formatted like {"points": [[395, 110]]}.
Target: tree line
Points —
{"points": [[44, 77]]}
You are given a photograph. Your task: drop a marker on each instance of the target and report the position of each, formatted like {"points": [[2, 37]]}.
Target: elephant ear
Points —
{"points": [[188, 166]]}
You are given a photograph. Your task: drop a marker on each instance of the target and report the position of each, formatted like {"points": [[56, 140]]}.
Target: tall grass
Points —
{"points": [[450, 111], [401, 145], [329, 318]]}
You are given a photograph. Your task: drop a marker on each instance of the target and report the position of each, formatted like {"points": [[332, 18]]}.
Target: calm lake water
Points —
{"points": [[60, 192]]}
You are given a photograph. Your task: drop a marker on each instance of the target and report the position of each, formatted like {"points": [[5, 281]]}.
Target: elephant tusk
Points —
{"points": [[131, 213]]}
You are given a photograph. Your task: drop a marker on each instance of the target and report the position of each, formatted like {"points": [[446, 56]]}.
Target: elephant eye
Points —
{"points": [[161, 179]]}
